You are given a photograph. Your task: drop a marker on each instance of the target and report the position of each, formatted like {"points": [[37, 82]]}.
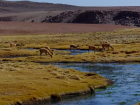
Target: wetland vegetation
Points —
{"points": [[126, 44], [24, 80]]}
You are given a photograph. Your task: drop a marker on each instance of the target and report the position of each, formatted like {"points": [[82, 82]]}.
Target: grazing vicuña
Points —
{"points": [[107, 45], [92, 47], [73, 46]]}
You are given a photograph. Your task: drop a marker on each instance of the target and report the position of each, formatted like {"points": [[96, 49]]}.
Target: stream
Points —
{"points": [[125, 90], [76, 51]]}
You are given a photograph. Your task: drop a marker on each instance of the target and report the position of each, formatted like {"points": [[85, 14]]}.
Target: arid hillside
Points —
{"points": [[25, 28], [29, 6], [26, 11]]}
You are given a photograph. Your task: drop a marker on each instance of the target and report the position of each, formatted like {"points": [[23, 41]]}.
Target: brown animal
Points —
{"points": [[12, 44], [73, 46], [107, 45], [47, 47], [46, 51], [92, 47]]}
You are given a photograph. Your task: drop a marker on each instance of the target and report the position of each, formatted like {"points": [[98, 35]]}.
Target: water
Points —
{"points": [[125, 90], [76, 51], [73, 51]]}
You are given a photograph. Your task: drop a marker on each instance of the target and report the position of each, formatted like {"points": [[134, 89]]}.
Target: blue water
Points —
{"points": [[76, 51], [125, 90], [73, 51]]}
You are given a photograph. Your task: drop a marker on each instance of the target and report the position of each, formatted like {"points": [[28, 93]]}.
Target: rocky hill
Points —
{"points": [[128, 18], [27, 11]]}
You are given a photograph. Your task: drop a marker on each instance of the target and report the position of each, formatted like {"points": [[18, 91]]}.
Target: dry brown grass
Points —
{"points": [[125, 42], [21, 82], [138, 104]]}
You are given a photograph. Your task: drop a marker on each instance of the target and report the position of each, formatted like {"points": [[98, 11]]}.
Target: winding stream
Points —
{"points": [[125, 91]]}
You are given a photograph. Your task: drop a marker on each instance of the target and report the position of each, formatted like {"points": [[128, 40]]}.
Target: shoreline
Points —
{"points": [[57, 98], [29, 83], [125, 60]]}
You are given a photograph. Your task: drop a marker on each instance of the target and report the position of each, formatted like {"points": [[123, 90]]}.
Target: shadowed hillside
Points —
{"points": [[128, 18]]}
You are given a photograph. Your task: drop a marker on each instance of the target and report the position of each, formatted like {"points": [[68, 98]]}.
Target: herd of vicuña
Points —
{"points": [[105, 46]]}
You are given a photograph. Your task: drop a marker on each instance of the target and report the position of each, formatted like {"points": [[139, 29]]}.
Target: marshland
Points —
{"points": [[28, 78], [125, 42]]}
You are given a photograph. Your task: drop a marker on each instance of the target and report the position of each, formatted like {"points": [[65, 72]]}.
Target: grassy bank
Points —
{"points": [[123, 53], [29, 82], [126, 44]]}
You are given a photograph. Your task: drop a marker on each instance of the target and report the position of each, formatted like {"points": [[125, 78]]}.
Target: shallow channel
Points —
{"points": [[125, 90], [76, 51]]}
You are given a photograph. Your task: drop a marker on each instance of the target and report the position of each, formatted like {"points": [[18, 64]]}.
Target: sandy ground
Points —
{"points": [[17, 28]]}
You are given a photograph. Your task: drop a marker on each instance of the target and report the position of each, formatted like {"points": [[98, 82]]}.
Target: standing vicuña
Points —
{"points": [[73, 46], [44, 50], [92, 47], [107, 45]]}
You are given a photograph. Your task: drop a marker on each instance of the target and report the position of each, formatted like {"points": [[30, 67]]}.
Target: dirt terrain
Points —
{"points": [[29, 6], [26, 11], [20, 28]]}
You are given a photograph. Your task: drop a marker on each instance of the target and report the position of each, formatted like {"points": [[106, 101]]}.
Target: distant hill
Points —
{"points": [[28, 6], [27, 11]]}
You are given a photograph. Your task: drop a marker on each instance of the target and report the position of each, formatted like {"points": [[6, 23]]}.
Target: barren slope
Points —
{"points": [[26, 11], [12, 28]]}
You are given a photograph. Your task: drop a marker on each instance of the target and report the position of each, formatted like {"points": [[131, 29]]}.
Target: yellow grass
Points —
{"points": [[20, 82], [122, 53], [64, 40]]}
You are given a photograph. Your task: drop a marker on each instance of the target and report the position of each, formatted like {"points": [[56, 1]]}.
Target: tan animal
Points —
{"points": [[47, 47], [46, 51], [92, 47], [73, 46], [106, 46], [12, 44]]}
